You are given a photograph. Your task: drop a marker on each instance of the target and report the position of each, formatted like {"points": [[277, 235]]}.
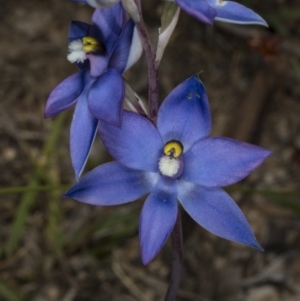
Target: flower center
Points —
{"points": [[91, 45], [79, 48], [173, 148], [170, 164]]}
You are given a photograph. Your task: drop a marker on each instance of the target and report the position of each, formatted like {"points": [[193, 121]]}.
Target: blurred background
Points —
{"points": [[58, 249]]}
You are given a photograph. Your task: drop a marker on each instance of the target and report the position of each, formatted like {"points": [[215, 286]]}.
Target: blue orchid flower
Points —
{"points": [[99, 3], [175, 160], [102, 51], [207, 11]]}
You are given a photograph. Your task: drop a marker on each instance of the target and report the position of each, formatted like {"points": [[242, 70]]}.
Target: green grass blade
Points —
{"points": [[54, 228], [113, 222], [37, 188], [287, 199], [29, 196], [26, 203]]}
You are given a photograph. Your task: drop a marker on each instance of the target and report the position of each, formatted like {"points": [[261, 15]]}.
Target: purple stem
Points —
{"points": [[153, 92], [153, 98], [177, 247]]}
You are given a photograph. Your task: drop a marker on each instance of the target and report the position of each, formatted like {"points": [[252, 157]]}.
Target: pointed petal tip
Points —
{"points": [[157, 219], [49, 112], [261, 22], [46, 115], [72, 191], [147, 256], [256, 245], [244, 17], [268, 153], [197, 75], [146, 260], [185, 113], [265, 154], [253, 243], [67, 194]]}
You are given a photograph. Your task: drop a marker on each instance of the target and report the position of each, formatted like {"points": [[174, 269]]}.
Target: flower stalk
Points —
{"points": [[153, 91], [177, 247], [153, 99]]}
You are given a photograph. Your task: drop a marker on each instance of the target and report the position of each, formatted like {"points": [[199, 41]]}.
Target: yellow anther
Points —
{"points": [[91, 45], [173, 149]]}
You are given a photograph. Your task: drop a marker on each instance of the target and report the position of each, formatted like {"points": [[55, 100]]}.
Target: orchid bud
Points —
{"points": [[131, 8], [169, 19]]}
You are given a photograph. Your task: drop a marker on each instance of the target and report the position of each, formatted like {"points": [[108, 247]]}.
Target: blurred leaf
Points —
{"points": [[28, 188], [106, 246], [29, 197], [124, 221], [26, 203], [54, 229], [287, 199], [285, 14], [287, 202]]}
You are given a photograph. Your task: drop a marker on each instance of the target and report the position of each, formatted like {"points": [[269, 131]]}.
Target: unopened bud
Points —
{"points": [[169, 19]]}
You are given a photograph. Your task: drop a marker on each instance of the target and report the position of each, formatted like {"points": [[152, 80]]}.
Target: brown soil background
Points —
{"points": [[58, 249]]}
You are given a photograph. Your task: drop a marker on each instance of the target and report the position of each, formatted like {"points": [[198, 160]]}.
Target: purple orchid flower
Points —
{"points": [[99, 3], [207, 11], [102, 51], [176, 160]]}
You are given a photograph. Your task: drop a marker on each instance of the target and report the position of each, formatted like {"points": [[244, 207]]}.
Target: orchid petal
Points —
{"points": [[185, 114], [157, 219], [111, 184], [198, 9], [128, 50], [221, 161], [136, 49], [65, 94], [216, 211], [98, 63], [106, 96], [232, 12], [108, 25], [82, 134], [137, 144], [78, 30]]}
